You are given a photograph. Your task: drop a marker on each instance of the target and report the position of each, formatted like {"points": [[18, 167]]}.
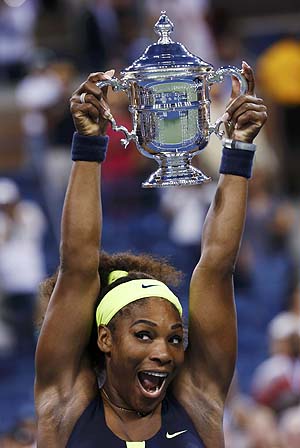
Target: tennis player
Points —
{"points": [[111, 369]]}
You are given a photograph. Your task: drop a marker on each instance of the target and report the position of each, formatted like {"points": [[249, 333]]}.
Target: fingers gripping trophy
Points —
{"points": [[168, 90]]}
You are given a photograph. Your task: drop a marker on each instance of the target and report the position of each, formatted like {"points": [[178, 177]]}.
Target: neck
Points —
{"points": [[115, 407]]}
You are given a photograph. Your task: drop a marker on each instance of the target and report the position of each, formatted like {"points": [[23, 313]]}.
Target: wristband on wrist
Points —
{"points": [[237, 162], [89, 148]]}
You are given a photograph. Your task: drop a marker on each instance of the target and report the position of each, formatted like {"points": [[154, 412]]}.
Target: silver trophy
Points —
{"points": [[168, 89]]}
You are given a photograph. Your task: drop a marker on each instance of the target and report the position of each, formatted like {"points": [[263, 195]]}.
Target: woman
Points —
{"points": [[154, 394]]}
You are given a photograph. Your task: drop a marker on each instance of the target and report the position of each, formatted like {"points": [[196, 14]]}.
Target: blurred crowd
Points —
{"points": [[47, 47]]}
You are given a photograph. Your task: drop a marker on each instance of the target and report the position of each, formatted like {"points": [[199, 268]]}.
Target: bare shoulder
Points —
{"points": [[58, 408]]}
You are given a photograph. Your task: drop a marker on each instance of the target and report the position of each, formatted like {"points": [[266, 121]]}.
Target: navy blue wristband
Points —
{"points": [[237, 162], [89, 149]]}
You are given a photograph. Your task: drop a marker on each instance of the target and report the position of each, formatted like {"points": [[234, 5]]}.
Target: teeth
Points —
{"points": [[159, 374]]}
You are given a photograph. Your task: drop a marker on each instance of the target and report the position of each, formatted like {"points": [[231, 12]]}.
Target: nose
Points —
{"points": [[161, 353]]}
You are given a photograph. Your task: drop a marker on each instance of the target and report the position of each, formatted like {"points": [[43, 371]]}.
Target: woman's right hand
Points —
{"points": [[91, 116]]}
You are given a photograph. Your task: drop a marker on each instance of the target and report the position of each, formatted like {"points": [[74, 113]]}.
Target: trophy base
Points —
{"points": [[175, 170]]}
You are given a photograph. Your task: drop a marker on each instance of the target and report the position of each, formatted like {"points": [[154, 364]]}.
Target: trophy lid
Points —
{"points": [[166, 54]]}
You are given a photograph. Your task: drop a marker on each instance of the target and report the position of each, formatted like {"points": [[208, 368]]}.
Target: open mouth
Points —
{"points": [[152, 383]]}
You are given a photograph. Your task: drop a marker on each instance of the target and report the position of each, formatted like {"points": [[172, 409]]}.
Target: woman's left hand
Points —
{"points": [[245, 114]]}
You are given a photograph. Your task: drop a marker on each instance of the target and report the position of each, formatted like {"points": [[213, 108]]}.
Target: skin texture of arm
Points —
{"points": [[211, 354], [65, 382]]}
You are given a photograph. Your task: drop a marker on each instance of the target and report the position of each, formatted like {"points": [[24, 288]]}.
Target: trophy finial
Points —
{"points": [[164, 27]]}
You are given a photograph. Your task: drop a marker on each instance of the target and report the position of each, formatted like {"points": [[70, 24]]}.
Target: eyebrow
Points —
{"points": [[175, 326], [153, 324]]}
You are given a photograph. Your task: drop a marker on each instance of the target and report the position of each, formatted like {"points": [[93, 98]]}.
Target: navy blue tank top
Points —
{"points": [[177, 429]]}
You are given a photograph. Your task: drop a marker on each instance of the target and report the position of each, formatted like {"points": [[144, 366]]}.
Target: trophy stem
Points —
{"points": [[175, 169]]}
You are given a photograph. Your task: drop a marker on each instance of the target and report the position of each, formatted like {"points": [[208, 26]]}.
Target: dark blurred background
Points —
{"points": [[48, 47], [266, 8]]}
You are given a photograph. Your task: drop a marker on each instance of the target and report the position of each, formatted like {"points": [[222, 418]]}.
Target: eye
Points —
{"points": [[175, 340], [143, 335]]}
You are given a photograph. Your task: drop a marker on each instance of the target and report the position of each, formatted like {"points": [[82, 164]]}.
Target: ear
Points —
{"points": [[104, 340]]}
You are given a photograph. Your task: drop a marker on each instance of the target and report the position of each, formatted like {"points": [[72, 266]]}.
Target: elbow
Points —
{"points": [[79, 260], [218, 261]]}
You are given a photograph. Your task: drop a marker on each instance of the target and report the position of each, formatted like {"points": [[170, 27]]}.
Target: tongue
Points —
{"points": [[150, 382]]}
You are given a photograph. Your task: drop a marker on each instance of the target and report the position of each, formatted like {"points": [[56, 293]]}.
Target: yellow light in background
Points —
{"points": [[14, 3]]}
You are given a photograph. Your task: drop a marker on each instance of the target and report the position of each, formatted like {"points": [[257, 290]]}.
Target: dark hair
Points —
{"points": [[137, 266]]}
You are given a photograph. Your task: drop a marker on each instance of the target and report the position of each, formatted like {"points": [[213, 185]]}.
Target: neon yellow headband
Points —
{"points": [[129, 292]]}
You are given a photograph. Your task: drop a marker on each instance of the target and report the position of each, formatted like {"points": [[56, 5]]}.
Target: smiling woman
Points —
{"points": [[110, 362]]}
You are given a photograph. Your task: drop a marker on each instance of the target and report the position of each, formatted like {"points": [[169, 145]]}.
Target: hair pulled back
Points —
{"points": [[138, 267]]}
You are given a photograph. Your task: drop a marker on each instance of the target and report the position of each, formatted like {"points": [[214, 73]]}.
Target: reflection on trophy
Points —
{"points": [[168, 89]]}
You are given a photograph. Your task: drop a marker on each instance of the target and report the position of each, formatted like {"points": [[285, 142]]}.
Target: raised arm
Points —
{"points": [[68, 321], [211, 353]]}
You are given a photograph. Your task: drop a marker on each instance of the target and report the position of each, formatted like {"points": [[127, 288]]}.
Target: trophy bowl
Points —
{"points": [[168, 90]]}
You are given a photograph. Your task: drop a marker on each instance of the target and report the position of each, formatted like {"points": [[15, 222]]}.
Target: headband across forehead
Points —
{"points": [[128, 292]]}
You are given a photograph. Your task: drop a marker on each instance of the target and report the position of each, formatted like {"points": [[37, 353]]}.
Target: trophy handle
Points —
{"points": [[218, 76], [117, 86]]}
